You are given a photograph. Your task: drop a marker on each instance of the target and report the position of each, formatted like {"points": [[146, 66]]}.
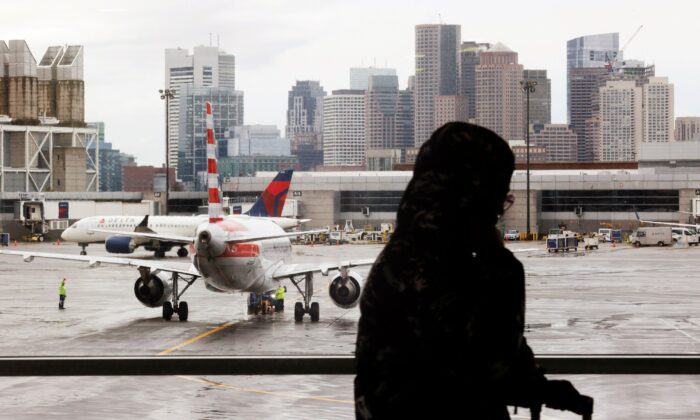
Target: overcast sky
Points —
{"points": [[278, 42]]}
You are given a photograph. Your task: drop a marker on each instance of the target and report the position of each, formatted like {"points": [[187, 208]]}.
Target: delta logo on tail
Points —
{"points": [[272, 201]]}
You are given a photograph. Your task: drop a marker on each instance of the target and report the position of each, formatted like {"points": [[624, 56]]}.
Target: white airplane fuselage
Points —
{"points": [[82, 230], [247, 267]]}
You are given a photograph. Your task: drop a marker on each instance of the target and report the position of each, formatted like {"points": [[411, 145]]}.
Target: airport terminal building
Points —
{"points": [[584, 200]]}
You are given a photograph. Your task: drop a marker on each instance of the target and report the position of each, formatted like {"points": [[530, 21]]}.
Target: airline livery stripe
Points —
{"points": [[213, 196], [212, 179]]}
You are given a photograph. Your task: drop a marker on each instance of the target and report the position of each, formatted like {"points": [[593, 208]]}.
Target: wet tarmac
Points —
{"points": [[613, 300]]}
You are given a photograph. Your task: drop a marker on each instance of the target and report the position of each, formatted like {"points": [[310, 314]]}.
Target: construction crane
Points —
{"points": [[611, 61]]}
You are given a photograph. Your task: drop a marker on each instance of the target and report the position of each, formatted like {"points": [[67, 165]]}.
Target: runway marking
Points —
{"points": [[197, 338], [680, 331], [260, 391]]}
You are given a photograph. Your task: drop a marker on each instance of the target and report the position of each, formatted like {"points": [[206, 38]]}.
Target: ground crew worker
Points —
{"points": [[61, 293], [279, 298]]}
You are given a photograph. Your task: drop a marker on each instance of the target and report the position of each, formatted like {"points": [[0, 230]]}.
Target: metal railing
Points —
{"points": [[671, 364]]}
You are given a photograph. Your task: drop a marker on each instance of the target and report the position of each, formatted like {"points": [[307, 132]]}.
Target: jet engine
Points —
{"points": [[155, 291], [345, 292], [120, 245]]}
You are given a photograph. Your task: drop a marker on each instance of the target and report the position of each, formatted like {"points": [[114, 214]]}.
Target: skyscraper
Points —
{"points": [[559, 140], [204, 67], [344, 128], [227, 107], [621, 121], [587, 59], [687, 129], [541, 98], [359, 76], [469, 58], [262, 140], [583, 86], [437, 73], [658, 110], [388, 114], [305, 123], [499, 97]]}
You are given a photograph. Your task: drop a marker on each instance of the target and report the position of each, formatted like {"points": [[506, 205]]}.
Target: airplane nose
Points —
{"points": [[66, 235]]}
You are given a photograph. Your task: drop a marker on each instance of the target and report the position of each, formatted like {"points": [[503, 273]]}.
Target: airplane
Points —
{"points": [[87, 230], [231, 255]]}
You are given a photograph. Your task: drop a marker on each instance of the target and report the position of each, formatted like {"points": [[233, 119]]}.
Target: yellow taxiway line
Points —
{"points": [[197, 338], [237, 388]]}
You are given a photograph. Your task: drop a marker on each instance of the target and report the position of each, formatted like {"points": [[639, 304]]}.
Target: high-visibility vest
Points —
{"points": [[279, 293], [61, 289]]}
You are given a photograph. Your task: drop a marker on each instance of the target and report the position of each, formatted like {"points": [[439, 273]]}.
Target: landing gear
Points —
{"points": [[159, 253], [298, 312], [167, 311], [83, 246], [175, 306], [308, 307], [182, 252]]}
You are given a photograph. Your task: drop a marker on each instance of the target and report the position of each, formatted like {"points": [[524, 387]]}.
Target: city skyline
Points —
{"points": [[124, 49]]}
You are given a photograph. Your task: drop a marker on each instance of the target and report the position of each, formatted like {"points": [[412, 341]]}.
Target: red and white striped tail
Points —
{"points": [[215, 213]]}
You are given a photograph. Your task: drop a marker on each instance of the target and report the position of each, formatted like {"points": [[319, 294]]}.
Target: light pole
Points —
{"points": [[167, 95], [528, 87]]}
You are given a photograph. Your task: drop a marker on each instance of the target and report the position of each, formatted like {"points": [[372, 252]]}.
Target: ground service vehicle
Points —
{"points": [[689, 236], [511, 235], [660, 236]]}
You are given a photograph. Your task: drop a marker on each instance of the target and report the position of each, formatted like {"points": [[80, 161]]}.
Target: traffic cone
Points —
{"points": [[613, 244], [14, 243], [58, 242]]}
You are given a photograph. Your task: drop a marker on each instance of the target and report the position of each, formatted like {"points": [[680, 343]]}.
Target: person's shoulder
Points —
{"points": [[508, 257]]}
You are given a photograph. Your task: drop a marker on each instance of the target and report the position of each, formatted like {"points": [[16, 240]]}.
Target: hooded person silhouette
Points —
{"points": [[443, 309]]}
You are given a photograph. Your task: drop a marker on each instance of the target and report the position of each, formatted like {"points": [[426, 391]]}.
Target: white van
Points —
{"points": [[660, 236], [604, 235], [682, 234]]}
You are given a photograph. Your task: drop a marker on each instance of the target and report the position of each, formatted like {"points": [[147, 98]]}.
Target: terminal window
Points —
{"points": [[610, 200]]}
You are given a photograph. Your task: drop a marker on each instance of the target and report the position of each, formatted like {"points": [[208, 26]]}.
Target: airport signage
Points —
{"points": [[296, 194]]}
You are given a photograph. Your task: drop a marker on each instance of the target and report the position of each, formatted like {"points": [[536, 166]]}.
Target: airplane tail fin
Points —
{"points": [[271, 202], [143, 226], [215, 212]]}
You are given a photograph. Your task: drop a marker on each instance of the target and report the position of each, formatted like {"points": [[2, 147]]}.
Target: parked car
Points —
{"points": [[511, 235]]}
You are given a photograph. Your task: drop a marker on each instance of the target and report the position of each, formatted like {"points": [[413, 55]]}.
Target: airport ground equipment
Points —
{"points": [[4, 239], [685, 235], [561, 240], [30, 212], [644, 236], [590, 242]]}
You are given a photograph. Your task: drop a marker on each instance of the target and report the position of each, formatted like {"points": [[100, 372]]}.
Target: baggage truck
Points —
{"points": [[660, 236]]}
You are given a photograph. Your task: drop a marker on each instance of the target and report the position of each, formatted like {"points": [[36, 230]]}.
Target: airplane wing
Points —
{"points": [[149, 235], [94, 261], [290, 270]]}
